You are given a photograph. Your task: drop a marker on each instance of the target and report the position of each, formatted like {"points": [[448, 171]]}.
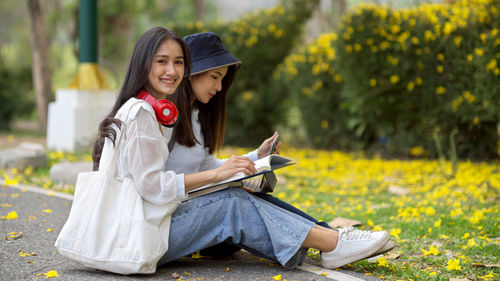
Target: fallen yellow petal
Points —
{"points": [[50, 229], [52, 273], [14, 235], [277, 277], [23, 254], [49, 274], [47, 211], [12, 215], [227, 269]]}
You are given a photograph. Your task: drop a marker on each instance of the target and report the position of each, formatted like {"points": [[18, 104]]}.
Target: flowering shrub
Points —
{"points": [[412, 73], [308, 75], [261, 40]]}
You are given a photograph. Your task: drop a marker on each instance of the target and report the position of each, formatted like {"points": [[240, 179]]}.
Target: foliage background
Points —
{"points": [[400, 78], [385, 80]]}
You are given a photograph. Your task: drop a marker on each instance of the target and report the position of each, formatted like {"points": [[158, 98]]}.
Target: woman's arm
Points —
{"points": [[233, 165]]}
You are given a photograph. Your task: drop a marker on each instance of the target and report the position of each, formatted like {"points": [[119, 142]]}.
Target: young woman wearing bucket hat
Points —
{"points": [[218, 221]]}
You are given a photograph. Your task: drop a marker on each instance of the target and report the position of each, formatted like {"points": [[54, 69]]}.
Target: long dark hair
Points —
{"points": [[136, 79], [212, 115]]}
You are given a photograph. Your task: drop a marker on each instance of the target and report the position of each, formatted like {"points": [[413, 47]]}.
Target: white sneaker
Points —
{"points": [[354, 245]]}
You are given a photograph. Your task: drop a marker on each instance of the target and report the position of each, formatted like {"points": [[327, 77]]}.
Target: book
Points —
{"points": [[262, 181]]}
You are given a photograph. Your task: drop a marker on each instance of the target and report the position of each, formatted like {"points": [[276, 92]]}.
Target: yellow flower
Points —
{"points": [[453, 264], [410, 86], [440, 57], [440, 90], [416, 151], [470, 57], [12, 215], [324, 124], [49, 274], [475, 120], [472, 243], [440, 69], [430, 211], [432, 251], [489, 276], [469, 96], [373, 82], [8, 181], [418, 81], [492, 65], [437, 223], [247, 96], [466, 235], [395, 232], [479, 51], [394, 79], [382, 262], [458, 40]]}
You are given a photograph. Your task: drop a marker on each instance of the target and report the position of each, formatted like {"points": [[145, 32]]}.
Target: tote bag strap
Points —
{"points": [[109, 155]]}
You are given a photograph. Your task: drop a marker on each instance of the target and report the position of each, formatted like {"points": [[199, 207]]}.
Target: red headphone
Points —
{"points": [[166, 112]]}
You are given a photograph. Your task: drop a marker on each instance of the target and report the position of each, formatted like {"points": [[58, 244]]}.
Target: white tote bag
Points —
{"points": [[110, 227]]}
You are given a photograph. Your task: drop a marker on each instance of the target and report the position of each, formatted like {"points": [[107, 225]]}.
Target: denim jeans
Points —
{"points": [[246, 221], [275, 201], [227, 248]]}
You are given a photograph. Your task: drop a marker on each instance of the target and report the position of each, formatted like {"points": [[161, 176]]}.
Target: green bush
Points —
{"points": [[261, 40], [16, 94], [413, 73], [309, 76]]}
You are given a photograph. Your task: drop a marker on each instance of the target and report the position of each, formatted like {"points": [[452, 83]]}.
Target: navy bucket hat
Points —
{"points": [[208, 52]]}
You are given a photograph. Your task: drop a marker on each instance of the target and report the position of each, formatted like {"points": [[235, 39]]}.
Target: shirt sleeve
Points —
{"points": [[253, 155], [147, 153]]}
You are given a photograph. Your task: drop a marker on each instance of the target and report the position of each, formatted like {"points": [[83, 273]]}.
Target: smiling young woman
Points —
{"points": [[167, 70]]}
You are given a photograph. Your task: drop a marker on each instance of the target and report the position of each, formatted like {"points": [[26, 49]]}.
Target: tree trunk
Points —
{"points": [[40, 61], [199, 10]]}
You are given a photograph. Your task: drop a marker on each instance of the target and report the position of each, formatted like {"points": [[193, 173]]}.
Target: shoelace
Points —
{"points": [[350, 233]]}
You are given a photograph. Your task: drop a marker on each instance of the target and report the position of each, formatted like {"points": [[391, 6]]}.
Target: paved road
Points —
{"points": [[42, 215]]}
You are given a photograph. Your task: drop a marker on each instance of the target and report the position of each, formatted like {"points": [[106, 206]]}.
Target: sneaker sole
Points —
{"points": [[387, 247], [358, 256]]}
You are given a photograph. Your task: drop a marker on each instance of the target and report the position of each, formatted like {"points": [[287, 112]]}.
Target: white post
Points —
{"points": [[74, 117]]}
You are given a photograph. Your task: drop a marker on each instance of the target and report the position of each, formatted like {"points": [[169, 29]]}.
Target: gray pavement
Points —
{"points": [[42, 215]]}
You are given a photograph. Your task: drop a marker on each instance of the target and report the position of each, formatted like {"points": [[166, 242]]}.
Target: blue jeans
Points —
{"points": [[246, 221], [275, 201], [227, 248]]}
